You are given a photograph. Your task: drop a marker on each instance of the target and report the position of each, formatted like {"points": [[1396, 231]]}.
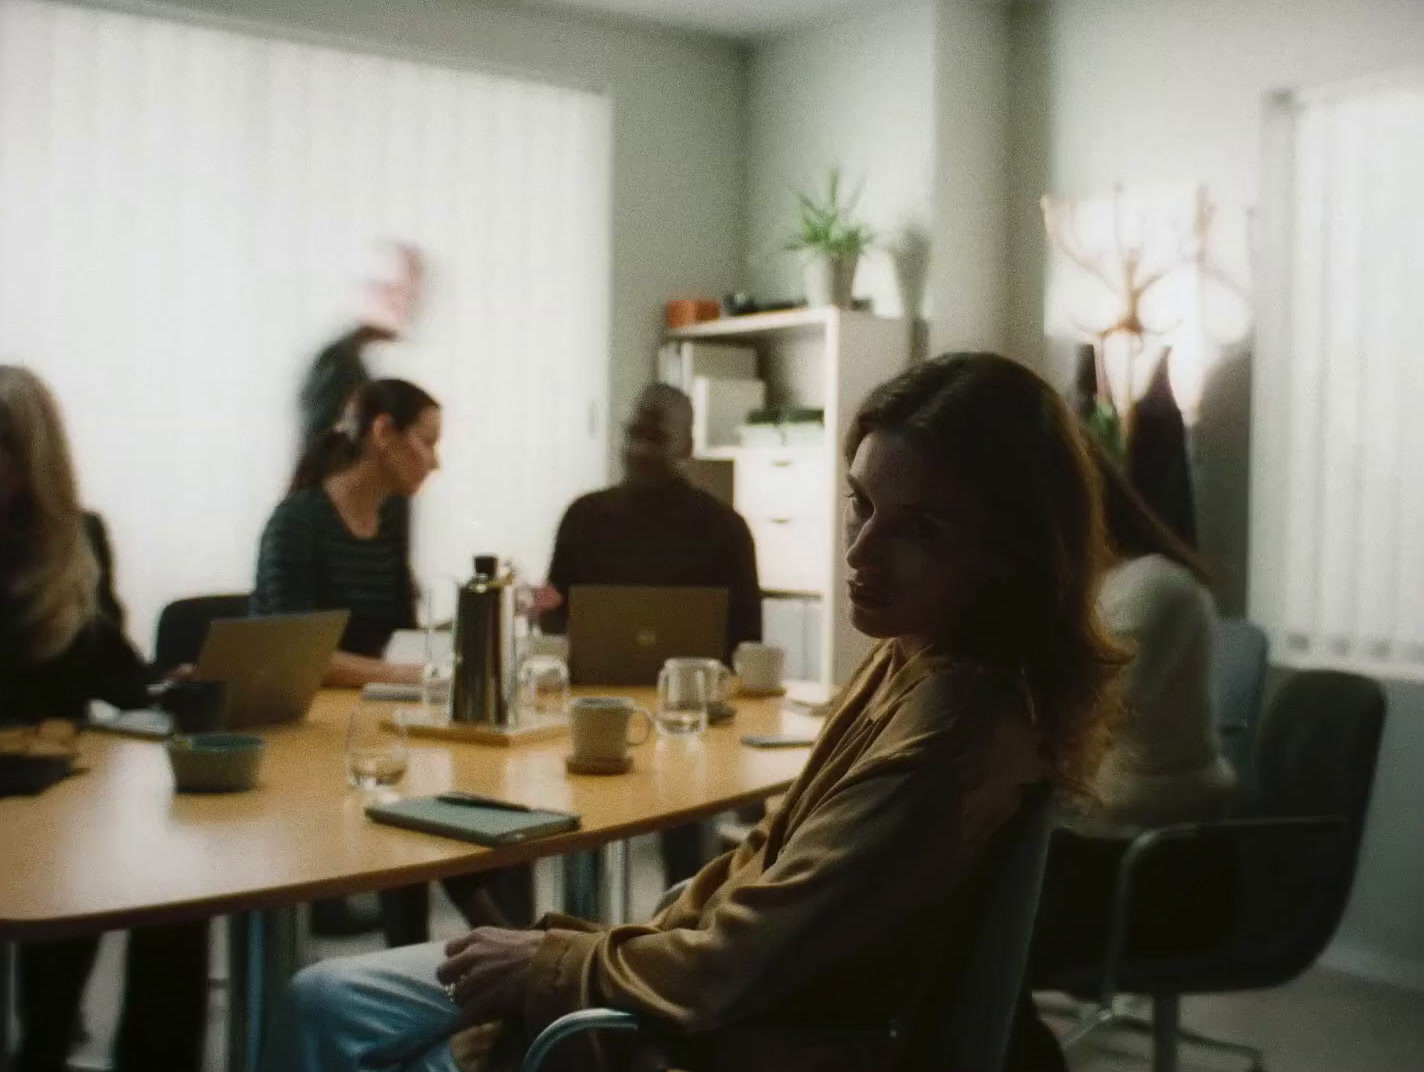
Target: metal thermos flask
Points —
{"points": [[484, 673]]}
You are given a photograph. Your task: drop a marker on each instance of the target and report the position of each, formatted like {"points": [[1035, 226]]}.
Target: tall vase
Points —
{"points": [[843, 280], [819, 275], [829, 280]]}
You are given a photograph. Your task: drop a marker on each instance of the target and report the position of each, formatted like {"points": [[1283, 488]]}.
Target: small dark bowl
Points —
{"points": [[215, 762]]}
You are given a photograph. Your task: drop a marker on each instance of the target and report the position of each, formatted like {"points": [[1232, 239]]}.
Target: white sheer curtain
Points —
{"points": [[1339, 538], [184, 215]]}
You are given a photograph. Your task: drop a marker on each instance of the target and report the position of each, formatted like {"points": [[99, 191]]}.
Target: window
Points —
{"points": [[1338, 457], [184, 216]]}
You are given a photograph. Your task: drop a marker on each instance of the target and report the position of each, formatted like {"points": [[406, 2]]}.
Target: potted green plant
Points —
{"points": [[831, 244]]}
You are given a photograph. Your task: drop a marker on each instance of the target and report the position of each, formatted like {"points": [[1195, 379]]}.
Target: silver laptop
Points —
{"points": [[622, 634], [272, 665]]}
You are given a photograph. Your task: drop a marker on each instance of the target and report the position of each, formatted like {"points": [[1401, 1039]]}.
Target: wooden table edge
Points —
{"points": [[479, 859]]}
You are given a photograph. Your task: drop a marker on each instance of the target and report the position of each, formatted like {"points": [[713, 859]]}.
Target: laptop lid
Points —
{"points": [[272, 665], [622, 634]]}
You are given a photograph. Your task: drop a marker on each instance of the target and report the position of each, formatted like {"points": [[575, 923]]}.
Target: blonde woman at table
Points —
{"points": [[973, 549], [62, 644]]}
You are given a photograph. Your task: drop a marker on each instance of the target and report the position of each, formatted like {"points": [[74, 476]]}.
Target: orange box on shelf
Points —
{"points": [[681, 312]]}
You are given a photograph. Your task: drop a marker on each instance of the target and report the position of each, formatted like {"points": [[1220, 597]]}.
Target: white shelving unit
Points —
{"points": [[826, 359]]}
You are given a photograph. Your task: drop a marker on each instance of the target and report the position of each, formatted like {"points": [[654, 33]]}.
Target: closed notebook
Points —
{"points": [[482, 825]]}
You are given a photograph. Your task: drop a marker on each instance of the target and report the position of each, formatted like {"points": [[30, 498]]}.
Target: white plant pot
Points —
{"points": [[829, 280]]}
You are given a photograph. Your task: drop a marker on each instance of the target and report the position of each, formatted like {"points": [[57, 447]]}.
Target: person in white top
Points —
{"points": [[1165, 763]]}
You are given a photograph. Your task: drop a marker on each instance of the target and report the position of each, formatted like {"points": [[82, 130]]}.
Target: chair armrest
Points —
{"points": [[671, 894], [1282, 841], [576, 1023]]}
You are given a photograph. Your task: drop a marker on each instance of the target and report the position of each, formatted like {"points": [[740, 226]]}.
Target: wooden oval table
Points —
{"points": [[115, 847]]}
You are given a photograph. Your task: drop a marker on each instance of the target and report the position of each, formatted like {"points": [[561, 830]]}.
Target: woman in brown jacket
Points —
{"points": [[974, 545]]}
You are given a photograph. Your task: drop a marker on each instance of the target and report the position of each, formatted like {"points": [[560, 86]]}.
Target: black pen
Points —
{"points": [[474, 800]]}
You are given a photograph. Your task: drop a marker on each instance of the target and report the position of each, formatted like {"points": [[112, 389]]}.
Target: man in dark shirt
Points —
{"points": [[655, 528]]}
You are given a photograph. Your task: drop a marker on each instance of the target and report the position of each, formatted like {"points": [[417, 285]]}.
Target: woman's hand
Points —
{"points": [[489, 970], [407, 673]]}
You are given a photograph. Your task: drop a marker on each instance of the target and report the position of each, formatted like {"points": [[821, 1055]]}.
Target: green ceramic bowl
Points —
{"points": [[215, 762]]}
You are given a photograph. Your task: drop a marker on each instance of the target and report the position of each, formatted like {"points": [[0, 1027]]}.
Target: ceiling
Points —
{"points": [[731, 18]]}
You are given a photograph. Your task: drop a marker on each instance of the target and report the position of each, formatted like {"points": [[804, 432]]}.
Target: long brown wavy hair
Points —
{"points": [[1005, 434], [1133, 527]]}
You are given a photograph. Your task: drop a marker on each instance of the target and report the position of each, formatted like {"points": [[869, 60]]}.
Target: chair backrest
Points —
{"points": [[974, 1037], [1315, 764], [183, 626], [1317, 746], [1238, 673]]}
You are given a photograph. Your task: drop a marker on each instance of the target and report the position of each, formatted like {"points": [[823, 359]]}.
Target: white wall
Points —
{"points": [[910, 98], [857, 92], [968, 271], [1383, 931], [1104, 91]]}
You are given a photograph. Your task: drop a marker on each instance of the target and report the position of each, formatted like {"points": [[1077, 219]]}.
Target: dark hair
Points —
{"points": [[339, 446], [1133, 528], [1008, 437]]}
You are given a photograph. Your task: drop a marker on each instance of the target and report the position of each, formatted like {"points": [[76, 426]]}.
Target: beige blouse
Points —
{"points": [[1165, 764], [832, 907]]}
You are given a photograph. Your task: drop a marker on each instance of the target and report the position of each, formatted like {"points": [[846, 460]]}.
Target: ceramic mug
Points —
{"points": [[601, 728], [760, 666], [196, 706]]}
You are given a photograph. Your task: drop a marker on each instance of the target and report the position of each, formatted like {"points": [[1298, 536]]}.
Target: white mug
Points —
{"points": [[599, 727], [760, 666]]}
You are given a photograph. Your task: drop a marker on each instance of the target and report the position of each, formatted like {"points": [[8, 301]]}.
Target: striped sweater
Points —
{"points": [[309, 560]]}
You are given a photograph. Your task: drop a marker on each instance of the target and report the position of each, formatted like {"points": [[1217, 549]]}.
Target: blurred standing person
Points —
{"points": [[389, 305]]}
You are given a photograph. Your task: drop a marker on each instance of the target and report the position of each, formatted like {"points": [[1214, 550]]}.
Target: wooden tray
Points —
{"points": [[756, 694], [476, 733]]}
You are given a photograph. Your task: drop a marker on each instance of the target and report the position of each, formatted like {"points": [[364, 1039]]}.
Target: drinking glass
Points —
{"points": [[683, 691], [543, 688], [439, 671], [375, 746], [436, 678]]}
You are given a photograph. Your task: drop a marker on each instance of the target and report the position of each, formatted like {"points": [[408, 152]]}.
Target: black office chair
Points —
{"points": [[1293, 863], [974, 1036], [183, 626]]}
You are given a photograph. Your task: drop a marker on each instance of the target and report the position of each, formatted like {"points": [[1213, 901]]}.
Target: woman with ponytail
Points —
{"points": [[340, 540]]}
